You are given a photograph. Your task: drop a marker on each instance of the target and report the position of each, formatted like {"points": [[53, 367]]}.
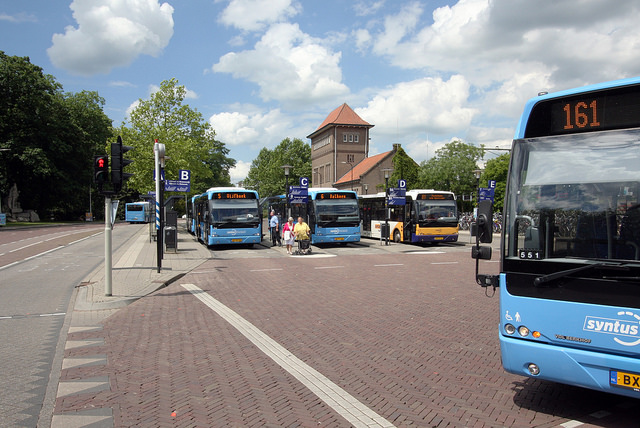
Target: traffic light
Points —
{"points": [[100, 169], [118, 176]]}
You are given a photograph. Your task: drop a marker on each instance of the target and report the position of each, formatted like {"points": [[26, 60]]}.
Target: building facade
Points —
{"points": [[339, 143]]}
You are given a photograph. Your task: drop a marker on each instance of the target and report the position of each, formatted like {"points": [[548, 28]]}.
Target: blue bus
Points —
{"points": [[137, 212], [228, 215], [570, 261], [191, 218], [332, 214]]}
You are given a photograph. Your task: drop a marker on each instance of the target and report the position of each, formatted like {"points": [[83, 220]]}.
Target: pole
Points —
{"points": [[288, 212], [156, 151], [386, 210], [107, 246]]}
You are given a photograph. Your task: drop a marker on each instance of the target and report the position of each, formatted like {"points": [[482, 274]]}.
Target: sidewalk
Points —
{"points": [[135, 273]]}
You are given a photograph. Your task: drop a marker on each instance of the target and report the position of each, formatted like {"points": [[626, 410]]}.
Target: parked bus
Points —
{"points": [[427, 216], [137, 212], [332, 214], [228, 215], [570, 278], [191, 217]]}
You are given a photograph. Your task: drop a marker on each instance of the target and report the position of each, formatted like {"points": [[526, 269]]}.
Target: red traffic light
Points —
{"points": [[100, 168]]}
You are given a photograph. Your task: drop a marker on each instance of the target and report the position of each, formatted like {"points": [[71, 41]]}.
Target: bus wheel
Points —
{"points": [[396, 236]]}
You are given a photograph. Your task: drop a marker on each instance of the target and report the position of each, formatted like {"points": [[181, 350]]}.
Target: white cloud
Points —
{"points": [[255, 15], [289, 66], [252, 128], [240, 171], [18, 18], [111, 33], [423, 105], [516, 44]]}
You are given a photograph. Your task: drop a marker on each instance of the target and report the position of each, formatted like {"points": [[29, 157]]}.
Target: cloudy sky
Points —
{"points": [[423, 72]]}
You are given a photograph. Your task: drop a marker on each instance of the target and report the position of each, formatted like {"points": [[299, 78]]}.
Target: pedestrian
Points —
{"points": [[301, 230], [275, 229], [289, 237]]}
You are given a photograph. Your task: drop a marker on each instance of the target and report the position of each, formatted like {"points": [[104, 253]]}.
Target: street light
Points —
{"points": [[477, 173], [287, 168], [351, 165], [387, 174]]}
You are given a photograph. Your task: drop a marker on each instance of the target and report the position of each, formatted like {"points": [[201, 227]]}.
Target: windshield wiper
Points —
{"points": [[564, 273]]}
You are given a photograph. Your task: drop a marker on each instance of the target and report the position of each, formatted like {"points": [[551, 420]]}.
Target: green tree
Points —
{"points": [[189, 142], [497, 169], [452, 169], [404, 167], [49, 137], [266, 174]]}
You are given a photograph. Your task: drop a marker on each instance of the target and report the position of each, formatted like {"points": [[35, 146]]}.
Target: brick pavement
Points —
{"points": [[418, 353]]}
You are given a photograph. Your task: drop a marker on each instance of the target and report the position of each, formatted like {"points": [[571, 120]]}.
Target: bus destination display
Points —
{"points": [[336, 196], [592, 111], [234, 195], [435, 197]]}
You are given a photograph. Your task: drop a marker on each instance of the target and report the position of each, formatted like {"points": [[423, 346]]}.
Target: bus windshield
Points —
{"points": [[336, 212], [430, 212], [575, 196], [234, 212]]}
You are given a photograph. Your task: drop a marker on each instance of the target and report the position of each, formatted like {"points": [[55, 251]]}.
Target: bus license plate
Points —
{"points": [[236, 240], [339, 239], [624, 380]]}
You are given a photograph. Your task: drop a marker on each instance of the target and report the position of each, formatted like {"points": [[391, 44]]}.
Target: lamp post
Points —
{"points": [[287, 169], [477, 173], [387, 174]]}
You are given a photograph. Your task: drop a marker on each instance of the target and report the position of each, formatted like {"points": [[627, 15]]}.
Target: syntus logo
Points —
{"points": [[624, 329]]}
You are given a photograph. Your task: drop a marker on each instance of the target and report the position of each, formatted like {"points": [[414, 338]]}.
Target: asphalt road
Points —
{"points": [[39, 268]]}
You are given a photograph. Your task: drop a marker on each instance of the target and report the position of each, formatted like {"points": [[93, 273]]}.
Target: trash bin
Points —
{"points": [[171, 218], [171, 238], [384, 231]]}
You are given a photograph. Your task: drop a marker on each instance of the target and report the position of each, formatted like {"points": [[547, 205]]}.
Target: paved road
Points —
{"points": [[382, 336], [39, 270]]}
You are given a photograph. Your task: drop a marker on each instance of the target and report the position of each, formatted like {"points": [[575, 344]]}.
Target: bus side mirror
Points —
{"points": [[482, 253], [484, 222]]}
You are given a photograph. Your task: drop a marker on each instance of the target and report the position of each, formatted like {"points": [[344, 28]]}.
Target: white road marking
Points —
{"points": [[356, 413], [390, 264]]}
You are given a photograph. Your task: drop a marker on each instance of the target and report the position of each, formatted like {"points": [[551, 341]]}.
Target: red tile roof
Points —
{"points": [[362, 167], [343, 115]]}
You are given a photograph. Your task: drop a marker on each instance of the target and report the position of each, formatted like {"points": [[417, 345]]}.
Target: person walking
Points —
{"points": [[287, 234], [275, 229]]}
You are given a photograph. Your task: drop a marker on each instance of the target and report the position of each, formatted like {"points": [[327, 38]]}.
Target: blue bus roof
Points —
{"points": [[524, 118]]}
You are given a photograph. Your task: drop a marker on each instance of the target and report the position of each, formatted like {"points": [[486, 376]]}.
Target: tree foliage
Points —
{"points": [[452, 169], [50, 138], [189, 142], [404, 167], [497, 169], [266, 174]]}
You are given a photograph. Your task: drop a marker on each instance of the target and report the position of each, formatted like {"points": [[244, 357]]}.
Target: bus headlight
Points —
{"points": [[510, 328], [523, 331]]}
